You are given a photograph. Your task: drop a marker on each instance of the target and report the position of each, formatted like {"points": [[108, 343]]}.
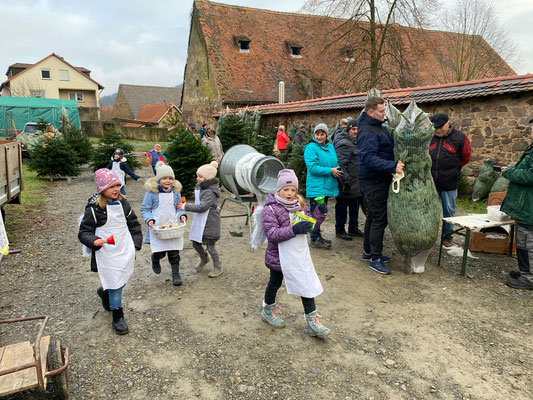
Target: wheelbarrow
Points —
{"points": [[25, 366]]}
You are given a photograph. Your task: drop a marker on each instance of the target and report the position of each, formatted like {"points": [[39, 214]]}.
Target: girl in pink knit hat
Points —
{"points": [[205, 226], [111, 230], [286, 221]]}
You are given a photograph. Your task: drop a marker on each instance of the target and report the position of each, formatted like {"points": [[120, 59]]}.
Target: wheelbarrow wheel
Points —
{"points": [[56, 360]]}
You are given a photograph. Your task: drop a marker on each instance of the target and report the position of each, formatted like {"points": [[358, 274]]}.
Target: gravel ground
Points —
{"points": [[431, 336]]}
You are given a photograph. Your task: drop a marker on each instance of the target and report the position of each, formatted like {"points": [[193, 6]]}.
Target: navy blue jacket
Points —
{"points": [[375, 150], [124, 167]]}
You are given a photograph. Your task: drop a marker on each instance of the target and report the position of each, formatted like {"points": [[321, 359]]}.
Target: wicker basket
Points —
{"points": [[170, 233], [145, 161]]}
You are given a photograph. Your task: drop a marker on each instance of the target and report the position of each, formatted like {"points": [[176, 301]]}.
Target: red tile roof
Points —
{"points": [[253, 77], [423, 94], [152, 113]]}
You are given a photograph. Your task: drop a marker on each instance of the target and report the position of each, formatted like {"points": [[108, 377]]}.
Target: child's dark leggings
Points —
{"points": [[173, 256], [211, 249], [276, 277]]}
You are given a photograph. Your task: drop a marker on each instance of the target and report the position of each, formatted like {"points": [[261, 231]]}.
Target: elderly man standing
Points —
{"points": [[450, 151], [518, 203], [376, 166], [342, 127], [301, 136], [349, 191]]}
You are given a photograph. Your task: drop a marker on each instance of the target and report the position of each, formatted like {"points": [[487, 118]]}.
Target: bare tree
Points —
{"points": [[375, 32], [476, 35]]}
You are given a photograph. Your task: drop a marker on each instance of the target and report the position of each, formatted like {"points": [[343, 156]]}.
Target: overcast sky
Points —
{"points": [[145, 42]]}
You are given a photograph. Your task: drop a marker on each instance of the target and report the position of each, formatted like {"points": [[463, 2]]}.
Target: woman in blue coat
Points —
{"points": [[322, 173]]}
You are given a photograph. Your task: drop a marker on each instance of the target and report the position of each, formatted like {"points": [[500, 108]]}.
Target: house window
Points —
{"points": [[244, 46], [296, 52], [37, 93], [45, 74], [63, 75], [78, 96]]}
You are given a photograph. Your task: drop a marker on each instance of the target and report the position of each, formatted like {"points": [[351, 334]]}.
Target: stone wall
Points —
{"points": [[89, 113], [497, 126], [151, 134], [122, 109], [200, 98]]}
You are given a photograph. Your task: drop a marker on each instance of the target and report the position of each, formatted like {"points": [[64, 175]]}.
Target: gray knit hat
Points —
{"points": [[163, 170], [321, 127]]}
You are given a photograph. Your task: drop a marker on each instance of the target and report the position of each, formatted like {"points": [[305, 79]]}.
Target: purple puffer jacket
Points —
{"points": [[276, 224]]}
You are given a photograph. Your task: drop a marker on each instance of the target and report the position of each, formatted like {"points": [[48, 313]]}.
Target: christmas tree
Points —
{"points": [[414, 209], [53, 157], [78, 142], [111, 140], [185, 154]]}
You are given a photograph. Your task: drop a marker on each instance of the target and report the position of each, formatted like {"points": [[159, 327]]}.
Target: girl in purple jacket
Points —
{"points": [[285, 224]]}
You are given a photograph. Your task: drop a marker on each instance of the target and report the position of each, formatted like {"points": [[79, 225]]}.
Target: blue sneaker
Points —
{"points": [[378, 266], [368, 257]]}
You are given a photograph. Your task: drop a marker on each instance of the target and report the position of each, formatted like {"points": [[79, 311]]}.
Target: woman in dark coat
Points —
{"points": [[349, 191]]}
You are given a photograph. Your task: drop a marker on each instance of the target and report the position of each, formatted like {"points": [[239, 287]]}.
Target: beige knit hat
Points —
{"points": [[208, 171], [163, 170]]}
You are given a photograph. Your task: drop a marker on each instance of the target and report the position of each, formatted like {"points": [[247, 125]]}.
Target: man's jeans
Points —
{"points": [[448, 210], [524, 246], [344, 206], [316, 233]]}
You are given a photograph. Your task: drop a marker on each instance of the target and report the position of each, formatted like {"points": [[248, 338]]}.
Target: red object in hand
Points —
{"points": [[110, 240], [183, 199]]}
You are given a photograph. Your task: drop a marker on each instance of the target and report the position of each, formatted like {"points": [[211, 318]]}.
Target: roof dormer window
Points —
{"points": [[243, 43], [348, 54], [295, 49], [244, 46]]}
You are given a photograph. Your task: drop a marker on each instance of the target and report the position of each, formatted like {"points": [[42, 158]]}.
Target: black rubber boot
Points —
{"points": [[176, 277], [104, 295], [156, 265], [119, 325]]}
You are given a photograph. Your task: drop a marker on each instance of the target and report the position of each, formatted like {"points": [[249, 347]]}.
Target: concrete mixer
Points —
{"points": [[250, 176]]}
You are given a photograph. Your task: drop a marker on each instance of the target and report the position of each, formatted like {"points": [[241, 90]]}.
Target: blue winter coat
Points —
{"points": [[319, 161], [375, 146], [151, 201]]}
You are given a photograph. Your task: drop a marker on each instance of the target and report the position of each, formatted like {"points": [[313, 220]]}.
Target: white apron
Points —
{"points": [[297, 267], [164, 212], [121, 175], [196, 232], [115, 262]]}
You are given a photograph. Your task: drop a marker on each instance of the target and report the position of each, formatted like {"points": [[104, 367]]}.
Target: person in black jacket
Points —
{"points": [[376, 166], [119, 165], [349, 191], [450, 151], [110, 228]]}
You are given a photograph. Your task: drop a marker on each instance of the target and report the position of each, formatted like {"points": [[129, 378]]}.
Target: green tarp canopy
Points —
{"points": [[20, 110]]}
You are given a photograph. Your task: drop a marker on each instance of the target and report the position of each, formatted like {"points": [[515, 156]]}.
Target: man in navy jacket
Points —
{"points": [[376, 166]]}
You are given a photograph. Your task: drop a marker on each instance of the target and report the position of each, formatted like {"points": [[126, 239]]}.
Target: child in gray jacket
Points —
{"points": [[205, 226]]}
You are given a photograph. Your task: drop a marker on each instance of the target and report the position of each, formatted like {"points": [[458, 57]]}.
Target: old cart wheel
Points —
{"points": [[55, 360]]}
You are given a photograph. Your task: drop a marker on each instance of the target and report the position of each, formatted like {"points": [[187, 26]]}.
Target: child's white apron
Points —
{"points": [[121, 175], [196, 232], [297, 267], [115, 262], [164, 211]]}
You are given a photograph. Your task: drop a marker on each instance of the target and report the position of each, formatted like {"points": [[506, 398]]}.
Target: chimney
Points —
{"points": [[281, 92]]}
